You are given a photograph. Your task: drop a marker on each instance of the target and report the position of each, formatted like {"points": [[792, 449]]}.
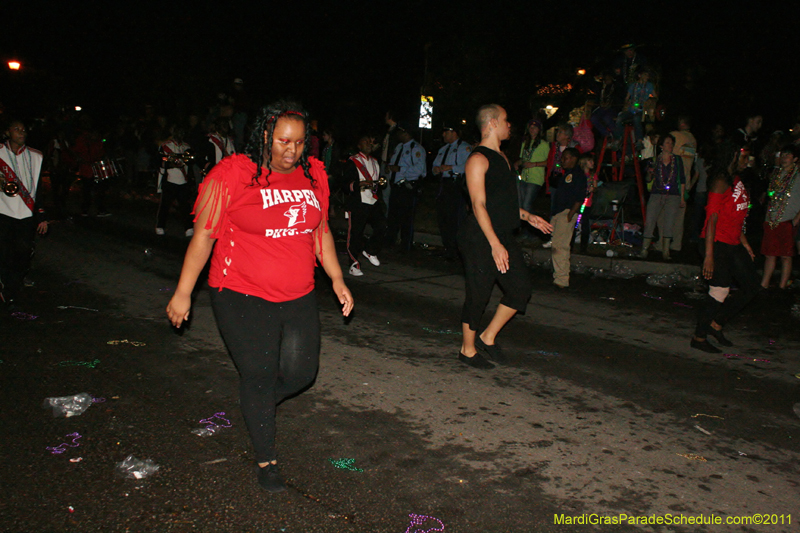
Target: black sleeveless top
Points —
{"points": [[502, 198]]}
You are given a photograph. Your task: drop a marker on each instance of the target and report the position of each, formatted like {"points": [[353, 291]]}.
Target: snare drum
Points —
{"points": [[103, 170]]}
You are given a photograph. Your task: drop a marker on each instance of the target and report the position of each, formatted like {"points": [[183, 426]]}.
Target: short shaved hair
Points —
{"points": [[485, 114]]}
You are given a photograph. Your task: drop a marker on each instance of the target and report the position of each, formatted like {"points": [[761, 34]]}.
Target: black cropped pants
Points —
{"points": [[480, 272]]}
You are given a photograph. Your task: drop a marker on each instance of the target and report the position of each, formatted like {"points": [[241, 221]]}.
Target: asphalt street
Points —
{"points": [[602, 409]]}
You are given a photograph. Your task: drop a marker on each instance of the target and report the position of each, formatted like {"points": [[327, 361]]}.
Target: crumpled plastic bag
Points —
{"points": [[671, 281], [214, 424], [618, 271], [67, 406], [579, 268], [206, 431], [134, 468]]}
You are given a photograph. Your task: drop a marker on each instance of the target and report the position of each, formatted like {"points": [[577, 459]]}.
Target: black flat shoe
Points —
{"points": [[704, 346], [269, 477], [717, 334], [492, 352], [476, 361]]}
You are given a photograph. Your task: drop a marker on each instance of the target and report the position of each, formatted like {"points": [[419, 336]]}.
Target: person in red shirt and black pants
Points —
{"points": [[264, 215], [728, 257]]}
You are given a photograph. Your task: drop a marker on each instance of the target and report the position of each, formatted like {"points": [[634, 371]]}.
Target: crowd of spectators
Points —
{"points": [[621, 100]]}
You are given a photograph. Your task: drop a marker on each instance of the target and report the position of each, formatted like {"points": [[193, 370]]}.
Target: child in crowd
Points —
{"points": [[633, 110], [569, 193]]}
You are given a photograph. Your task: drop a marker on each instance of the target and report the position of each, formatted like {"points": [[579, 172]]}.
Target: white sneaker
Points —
{"points": [[548, 244], [355, 271], [190, 232], [372, 259], [159, 231]]}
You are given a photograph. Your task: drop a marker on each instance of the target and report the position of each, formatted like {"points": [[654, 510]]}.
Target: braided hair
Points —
{"points": [[265, 125]]}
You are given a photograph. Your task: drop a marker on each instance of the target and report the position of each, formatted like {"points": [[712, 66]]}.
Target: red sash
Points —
{"points": [[363, 170], [219, 144], [23, 192]]}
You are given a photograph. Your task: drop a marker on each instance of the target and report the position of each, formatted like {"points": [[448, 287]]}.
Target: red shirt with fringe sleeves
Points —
{"points": [[267, 235], [731, 208]]}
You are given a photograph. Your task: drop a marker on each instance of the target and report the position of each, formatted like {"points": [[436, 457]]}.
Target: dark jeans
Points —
{"points": [[627, 117], [402, 208], [16, 250], [451, 210], [275, 347], [731, 263], [170, 192], [360, 216], [528, 192], [604, 120], [96, 189]]}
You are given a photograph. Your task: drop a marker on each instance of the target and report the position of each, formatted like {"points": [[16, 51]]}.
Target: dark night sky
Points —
{"points": [[345, 57]]}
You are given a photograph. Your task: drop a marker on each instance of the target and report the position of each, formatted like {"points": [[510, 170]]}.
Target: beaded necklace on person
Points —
{"points": [[527, 153], [660, 182], [779, 194]]}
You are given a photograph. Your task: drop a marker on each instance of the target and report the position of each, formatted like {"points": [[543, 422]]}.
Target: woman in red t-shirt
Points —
{"points": [[264, 215], [728, 257]]}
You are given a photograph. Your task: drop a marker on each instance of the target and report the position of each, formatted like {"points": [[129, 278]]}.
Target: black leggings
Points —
{"points": [[275, 347]]}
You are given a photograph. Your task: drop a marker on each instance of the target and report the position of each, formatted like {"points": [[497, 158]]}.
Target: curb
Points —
{"points": [[638, 268]]}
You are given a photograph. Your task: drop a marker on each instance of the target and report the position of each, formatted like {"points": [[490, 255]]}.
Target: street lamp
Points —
{"points": [[550, 110], [14, 65]]}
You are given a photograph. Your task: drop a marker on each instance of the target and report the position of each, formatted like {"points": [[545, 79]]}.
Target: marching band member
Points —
{"points": [[362, 173], [221, 143], [20, 215], [88, 149], [176, 186]]}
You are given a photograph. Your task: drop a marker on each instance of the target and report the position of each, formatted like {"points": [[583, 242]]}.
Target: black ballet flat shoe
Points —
{"points": [[269, 477], [704, 346], [476, 361], [717, 334], [492, 352]]}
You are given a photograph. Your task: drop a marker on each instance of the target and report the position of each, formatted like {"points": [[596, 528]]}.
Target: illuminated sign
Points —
{"points": [[426, 112]]}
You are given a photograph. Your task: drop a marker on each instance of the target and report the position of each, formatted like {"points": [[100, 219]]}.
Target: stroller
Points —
{"points": [[606, 217]]}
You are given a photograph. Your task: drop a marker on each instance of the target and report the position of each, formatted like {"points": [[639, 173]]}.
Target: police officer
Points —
{"points": [[449, 165], [407, 168]]}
